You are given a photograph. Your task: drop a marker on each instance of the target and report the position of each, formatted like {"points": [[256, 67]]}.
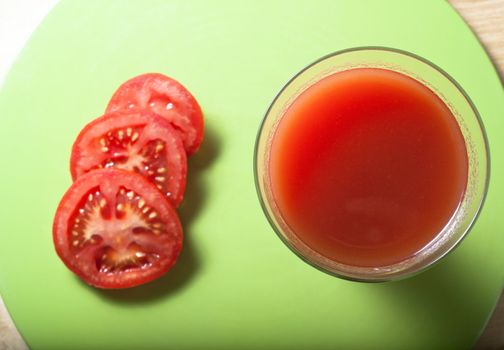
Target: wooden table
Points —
{"points": [[486, 18]]}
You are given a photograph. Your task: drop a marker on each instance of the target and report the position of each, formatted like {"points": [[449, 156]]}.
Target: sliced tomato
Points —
{"points": [[137, 141], [168, 98], [114, 229]]}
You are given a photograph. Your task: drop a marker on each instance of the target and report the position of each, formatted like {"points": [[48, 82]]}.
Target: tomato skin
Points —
{"points": [[146, 90], [167, 245], [87, 153]]}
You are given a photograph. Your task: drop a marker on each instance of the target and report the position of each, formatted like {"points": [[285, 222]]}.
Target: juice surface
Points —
{"points": [[367, 166]]}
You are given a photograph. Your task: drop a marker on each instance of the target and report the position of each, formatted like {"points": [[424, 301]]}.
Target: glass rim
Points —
{"points": [[459, 239]]}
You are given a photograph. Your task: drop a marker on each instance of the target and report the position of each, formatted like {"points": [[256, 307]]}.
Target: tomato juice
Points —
{"points": [[367, 166]]}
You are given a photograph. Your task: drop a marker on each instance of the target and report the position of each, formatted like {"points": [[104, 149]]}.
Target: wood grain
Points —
{"points": [[486, 18]]}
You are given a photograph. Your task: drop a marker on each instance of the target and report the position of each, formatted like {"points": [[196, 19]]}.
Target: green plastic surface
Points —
{"points": [[236, 286]]}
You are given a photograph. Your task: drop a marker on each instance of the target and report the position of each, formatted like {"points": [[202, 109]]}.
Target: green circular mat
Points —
{"points": [[236, 286]]}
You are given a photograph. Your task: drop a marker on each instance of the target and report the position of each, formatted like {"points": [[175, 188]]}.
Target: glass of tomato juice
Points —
{"points": [[371, 164]]}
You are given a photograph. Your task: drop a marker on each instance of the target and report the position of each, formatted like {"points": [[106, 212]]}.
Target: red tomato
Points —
{"points": [[114, 229], [168, 98], [137, 141]]}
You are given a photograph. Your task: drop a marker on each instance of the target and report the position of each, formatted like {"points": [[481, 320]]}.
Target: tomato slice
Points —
{"points": [[142, 142], [114, 229], [168, 98]]}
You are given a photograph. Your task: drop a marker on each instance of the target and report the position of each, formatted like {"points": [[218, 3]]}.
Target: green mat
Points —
{"points": [[236, 286]]}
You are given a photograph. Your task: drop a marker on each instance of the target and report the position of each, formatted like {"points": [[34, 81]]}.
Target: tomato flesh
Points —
{"points": [[166, 97], [114, 229], [141, 142]]}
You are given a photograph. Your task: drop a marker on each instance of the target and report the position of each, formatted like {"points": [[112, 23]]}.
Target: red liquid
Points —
{"points": [[367, 166]]}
